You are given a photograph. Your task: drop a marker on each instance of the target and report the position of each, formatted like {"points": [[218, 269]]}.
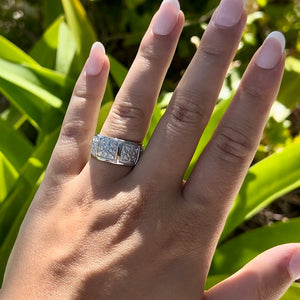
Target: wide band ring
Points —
{"points": [[116, 151]]}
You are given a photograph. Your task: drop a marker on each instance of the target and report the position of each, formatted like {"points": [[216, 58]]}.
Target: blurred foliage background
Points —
{"points": [[43, 45]]}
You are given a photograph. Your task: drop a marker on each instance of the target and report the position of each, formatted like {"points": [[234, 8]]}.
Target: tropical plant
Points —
{"points": [[38, 86]]}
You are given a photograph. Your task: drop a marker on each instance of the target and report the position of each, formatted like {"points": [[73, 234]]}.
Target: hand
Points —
{"points": [[101, 231]]}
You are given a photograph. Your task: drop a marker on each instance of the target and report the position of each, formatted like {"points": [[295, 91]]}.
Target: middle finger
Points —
{"points": [[178, 133]]}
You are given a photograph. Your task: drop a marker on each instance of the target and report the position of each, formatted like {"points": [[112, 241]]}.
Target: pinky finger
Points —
{"points": [[72, 150], [267, 277]]}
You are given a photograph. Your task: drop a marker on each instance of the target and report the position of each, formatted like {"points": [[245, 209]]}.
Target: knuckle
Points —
{"points": [[151, 54], [253, 92], [75, 130], [185, 111], [233, 145], [126, 111], [210, 51]]}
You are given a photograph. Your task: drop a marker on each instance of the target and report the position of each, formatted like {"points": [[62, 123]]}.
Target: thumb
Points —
{"points": [[266, 277]]}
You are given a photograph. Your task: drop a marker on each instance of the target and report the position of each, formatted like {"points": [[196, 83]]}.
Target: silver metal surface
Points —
{"points": [[116, 151]]}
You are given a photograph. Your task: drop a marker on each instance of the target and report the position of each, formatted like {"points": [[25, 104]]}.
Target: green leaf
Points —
{"points": [[234, 254], [14, 146], [10, 52], [118, 71], [156, 116], [51, 9], [66, 50], [8, 243], [44, 51], [292, 293], [289, 91], [267, 180], [58, 84], [208, 132], [8, 176], [104, 111], [18, 84], [81, 28], [31, 172]]}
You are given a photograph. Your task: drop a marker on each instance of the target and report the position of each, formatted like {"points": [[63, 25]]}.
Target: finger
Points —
{"points": [[266, 277], [131, 113], [72, 150], [177, 134], [222, 167]]}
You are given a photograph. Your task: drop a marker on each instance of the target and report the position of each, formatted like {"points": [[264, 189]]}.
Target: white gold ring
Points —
{"points": [[116, 151]]}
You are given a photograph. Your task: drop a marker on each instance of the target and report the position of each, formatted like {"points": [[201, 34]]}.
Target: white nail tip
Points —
{"points": [[99, 46], [175, 3], [279, 37]]}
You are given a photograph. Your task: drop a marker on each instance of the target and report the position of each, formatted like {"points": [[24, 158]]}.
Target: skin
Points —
{"points": [[100, 231]]}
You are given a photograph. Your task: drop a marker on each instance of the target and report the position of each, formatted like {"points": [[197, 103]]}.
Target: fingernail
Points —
{"points": [[294, 266], [229, 12], [271, 51], [95, 61], [166, 18]]}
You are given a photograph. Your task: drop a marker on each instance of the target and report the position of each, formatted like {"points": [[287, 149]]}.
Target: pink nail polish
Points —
{"points": [[166, 18], [271, 51], [229, 12], [294, 266], [94, 63]]}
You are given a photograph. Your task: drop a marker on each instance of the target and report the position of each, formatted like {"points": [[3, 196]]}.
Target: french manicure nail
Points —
{"points": [[166, 18], [94, 63], [271, 51], [229, 12], [294, 266]]}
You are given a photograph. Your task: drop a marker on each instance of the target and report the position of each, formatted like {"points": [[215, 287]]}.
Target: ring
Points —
{"points": [[116, 151]]}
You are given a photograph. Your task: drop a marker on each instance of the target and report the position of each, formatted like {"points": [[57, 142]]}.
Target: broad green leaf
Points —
{"points": [[267, 180], [118, 71], [44, 51], [44, 109], [208, 132], [14, 146], [83, 32], [156, 116], [237, 252], [108, 95], [13, 117], [292, 293], [31, 172], [51, 10], [14, 207], [26, 76], [8, 243], [289, 91], [10, 52], [66, 49], [8, 176], [104, 111]]}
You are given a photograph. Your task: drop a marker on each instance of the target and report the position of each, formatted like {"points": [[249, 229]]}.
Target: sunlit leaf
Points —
{"points": [[44, 51], [14, 146], [235, 253], [66, 50], [15, 205], [118, 71], [267, 180], [208, 132], [81, 28], [8, 176], [12, 53], [289, 91]]}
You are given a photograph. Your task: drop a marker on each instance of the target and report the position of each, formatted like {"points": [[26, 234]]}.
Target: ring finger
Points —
{"points": [[131, 112]]}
